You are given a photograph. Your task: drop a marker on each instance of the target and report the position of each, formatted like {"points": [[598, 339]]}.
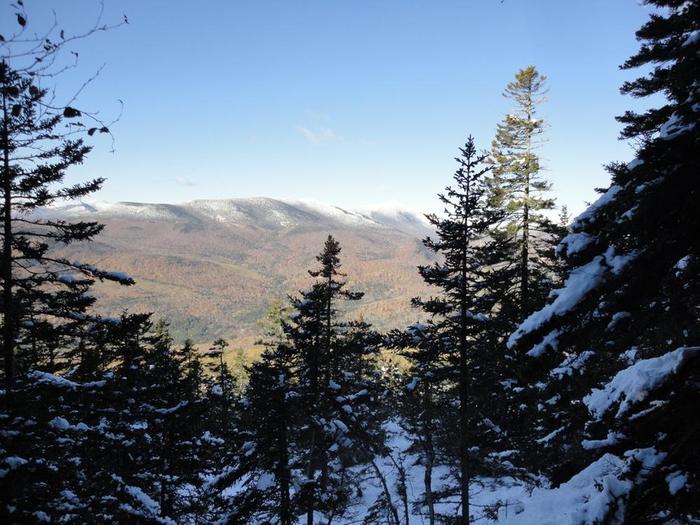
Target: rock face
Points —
{"points": [[213, 266]]}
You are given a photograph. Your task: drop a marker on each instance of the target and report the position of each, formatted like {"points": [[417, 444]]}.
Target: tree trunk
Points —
{"points": [[283, 470], [310, 472], [429, 454], [464, 376], [311, 467], [404, 496], [463, 433], [8, 325], [525, 249], [224, 395], [387, 493], [310, 512], [331, 357]]}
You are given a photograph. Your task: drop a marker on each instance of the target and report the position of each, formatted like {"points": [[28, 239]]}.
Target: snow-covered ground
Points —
{"points": [[486, 493], [584, 499]]}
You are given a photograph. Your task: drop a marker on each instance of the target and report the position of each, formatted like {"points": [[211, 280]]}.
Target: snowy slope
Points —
{"points": [[394, 214], [87, 209], [257, 211], [583, 500]]}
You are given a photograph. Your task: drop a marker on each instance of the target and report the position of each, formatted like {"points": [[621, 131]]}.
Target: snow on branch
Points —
{"points": [[634, 384], [593, 495], [613, 438], [590, 213], [120, 277], [574, 243], [548, 341], [674, 127], [581, 282], [61, 382]]}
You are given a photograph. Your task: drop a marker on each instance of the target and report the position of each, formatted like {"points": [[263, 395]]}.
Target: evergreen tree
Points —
{"points": [[120, 433], [527, 267], [58, 429], [564, 217], [355, 399], [268, 426], [519, 188], [460, 323], [192, 370], [310, 410], [39, 287], [125, 444], [622, 338], [223, 389], [313, 333]]}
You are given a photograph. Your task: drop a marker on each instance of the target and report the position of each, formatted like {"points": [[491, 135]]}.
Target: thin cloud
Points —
{"points": [[319, 135], [184, 181]]}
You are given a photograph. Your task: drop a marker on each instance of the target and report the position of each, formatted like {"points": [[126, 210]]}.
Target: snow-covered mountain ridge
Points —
{"points": [[264, 212]]}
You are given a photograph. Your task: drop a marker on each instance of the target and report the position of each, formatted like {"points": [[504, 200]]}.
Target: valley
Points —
{"points": [[213, 267]]}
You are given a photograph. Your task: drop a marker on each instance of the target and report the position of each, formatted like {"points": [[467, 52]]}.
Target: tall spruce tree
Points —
{"points": [[309, 412], [223, 389], [520, 190], [528, 266], [315, 334], [622, 337], [461, 312]]}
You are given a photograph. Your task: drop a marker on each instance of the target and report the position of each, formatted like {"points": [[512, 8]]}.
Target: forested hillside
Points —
{"points": [[533, 371], [213, 268]]}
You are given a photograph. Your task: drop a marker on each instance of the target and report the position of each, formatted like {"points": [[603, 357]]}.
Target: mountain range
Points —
{"points": [[213, 267]]}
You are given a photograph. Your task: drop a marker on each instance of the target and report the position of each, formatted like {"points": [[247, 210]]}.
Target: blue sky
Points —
{"points": [[354, 103]]}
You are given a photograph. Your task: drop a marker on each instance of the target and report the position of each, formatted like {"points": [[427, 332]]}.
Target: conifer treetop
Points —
{"points": [[669, 46]]}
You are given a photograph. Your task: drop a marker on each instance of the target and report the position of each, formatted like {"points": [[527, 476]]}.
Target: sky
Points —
{"points": [[353, 103]]}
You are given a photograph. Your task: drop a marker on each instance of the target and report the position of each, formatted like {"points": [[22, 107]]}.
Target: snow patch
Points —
{"points": [[633, 384], [590, 496], [580, 282], [676, 481], [574, 243], [590, 213], [613, 438], [692, 38], [571, 364], [549, 340], [617, 318]]}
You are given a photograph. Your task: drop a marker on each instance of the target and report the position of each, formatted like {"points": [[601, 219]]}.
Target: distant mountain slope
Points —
{"points": [[213, 266]]}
